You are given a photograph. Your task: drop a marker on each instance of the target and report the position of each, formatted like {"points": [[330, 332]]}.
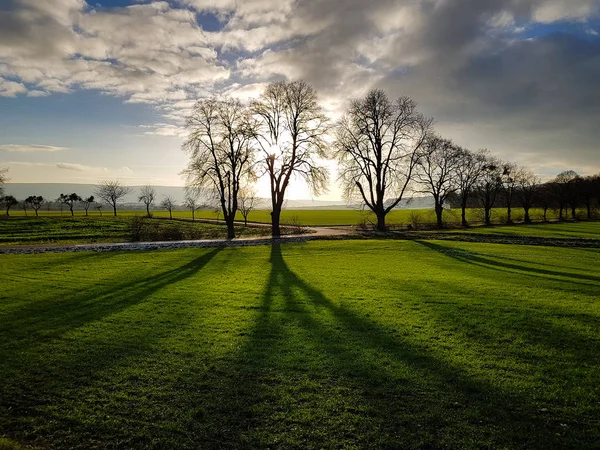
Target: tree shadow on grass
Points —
{"points": [[314, 374], [474, 258], [53, 351]]}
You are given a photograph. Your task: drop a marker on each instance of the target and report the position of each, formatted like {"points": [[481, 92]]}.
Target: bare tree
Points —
{"points": [[489, 185], [527, 189], [221, 134], [377, 146], [169, 204], [9, 201], [112, 192], [567, 187], [36, 202], [248, 201], [510, 174], [468, 174], [292, 141], [86, 203], [436, 171], [99, 208], [69, 200], [147, 196], [192, 197], [545, 197]]}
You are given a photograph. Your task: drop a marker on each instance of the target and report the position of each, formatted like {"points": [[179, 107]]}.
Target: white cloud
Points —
{"points": [[21, 148], [77, 167]]}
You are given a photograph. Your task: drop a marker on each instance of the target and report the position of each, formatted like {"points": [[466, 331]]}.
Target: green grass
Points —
{"points": [[587, 230], [324, 217], [342, 344], [71, 230]]}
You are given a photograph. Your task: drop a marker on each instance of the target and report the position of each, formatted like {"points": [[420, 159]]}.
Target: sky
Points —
{"points": [[100, 89]]}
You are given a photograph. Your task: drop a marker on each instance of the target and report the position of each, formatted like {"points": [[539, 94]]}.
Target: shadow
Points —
{"points": [[313, 372], [474, 258], [61, 313]]}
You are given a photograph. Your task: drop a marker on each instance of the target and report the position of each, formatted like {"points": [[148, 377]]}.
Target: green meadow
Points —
{"points": [[325, 217], [326, 344]]}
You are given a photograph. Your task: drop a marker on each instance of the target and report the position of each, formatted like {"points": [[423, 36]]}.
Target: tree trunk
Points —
{"points": [[230, 226], [488, 215], [463, 213], [508, 214], [170, 214], [588, 205], [193, 215], [275, 216], [36, 213], [545, 214], [527, 218], [115, 210], [439, 210], [380, 220], [560, 213], [147, 210], [246, 221], [573, 212], [71, 209]]}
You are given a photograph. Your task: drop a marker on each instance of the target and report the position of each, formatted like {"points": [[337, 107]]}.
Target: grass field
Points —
{"points": [[321, 217], [345, 344], [69, 230], [572, 230]]}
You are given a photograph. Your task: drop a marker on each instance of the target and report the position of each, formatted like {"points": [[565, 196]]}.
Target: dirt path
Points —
{"points": [[312, 234]]}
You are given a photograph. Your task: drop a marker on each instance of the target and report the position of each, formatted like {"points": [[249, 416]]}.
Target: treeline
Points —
{"points": [[515, 187]]}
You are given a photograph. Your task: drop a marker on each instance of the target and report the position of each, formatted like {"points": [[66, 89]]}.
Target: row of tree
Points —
{"points": [[385, 149], [112, 192]]}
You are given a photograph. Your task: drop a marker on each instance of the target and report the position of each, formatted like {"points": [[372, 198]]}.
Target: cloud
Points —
{"points": [[77, 167], [516, 76], [21, 148]]}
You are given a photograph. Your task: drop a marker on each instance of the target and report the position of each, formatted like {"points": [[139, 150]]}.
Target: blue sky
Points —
{"points": [[100, 90]]}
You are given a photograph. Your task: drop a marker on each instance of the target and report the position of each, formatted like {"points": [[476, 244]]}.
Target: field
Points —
{"points": [[339, 344], [323, 217], [81, 230]]}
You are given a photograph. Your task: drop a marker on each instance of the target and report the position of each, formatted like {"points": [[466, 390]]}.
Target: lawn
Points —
{"points": [[81, 230], [569, 230], [339, 344]]}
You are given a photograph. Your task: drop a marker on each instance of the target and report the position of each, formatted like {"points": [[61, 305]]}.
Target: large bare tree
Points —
{"points": [[112, 192], [436, 171], [377, 145], [221, 135], [292, 140], [468, 174]]}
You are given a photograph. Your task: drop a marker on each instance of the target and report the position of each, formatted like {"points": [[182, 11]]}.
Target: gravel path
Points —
{"points": [[313, 234]]}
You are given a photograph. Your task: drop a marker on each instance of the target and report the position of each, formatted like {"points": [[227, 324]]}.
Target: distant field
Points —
{"points": [[320, 217], [70, 230], [344, 344]]}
